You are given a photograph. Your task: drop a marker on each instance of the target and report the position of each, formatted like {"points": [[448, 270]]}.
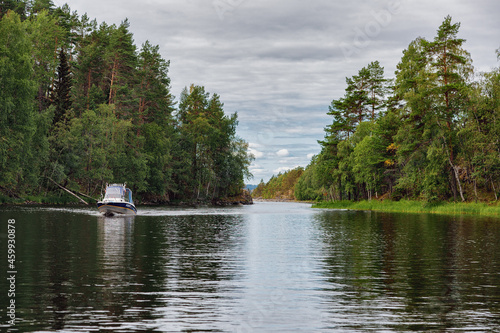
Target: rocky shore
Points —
{"points": [[243, 199]]}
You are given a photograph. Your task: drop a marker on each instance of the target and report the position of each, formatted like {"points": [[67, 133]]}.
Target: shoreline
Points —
{"points": [[43, 201], [419, 207], [284, 200], [273, 200], [244, 198]]}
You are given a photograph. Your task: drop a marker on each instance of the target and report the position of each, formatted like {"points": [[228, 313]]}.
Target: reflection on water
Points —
{"points": [[271, 267], [412, 272]]}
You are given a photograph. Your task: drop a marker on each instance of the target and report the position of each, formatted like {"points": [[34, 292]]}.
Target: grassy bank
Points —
{"points": [[407, 206]]}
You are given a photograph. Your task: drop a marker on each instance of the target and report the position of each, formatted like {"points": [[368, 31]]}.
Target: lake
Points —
{"points": [[269, 267]]}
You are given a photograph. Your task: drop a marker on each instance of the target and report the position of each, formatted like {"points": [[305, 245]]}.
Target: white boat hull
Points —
{"points": [[112, 208]]}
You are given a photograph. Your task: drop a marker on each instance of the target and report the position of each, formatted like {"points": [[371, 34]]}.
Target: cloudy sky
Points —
{"points": [[280, 63]]}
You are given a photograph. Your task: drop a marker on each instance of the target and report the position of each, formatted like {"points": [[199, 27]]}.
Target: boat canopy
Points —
{"points": [[114, 192], [118, 191]]}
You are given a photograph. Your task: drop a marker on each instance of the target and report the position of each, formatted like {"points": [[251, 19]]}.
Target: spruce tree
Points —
{"points": [[62, 89]]}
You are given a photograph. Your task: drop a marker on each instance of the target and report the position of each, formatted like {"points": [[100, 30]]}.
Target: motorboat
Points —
{"points": [[117, 200]]}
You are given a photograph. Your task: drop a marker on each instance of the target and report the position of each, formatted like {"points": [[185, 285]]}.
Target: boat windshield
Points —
{"points": [[114, 193]]}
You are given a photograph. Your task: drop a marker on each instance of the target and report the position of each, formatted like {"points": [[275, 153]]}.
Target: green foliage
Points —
{"points": [[17, 117], [280, 187], [46, 36], [218, 159], [314, 182], [16, 6], [433, 135], [155, 100], [36, 157], [81, 105], [157, 148], [62, 89], [433, 77], [364, 99]]}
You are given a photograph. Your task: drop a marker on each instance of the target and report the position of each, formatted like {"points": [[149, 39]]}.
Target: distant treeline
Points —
{"points": [[431, 133], [81, 105], [281, 186]]}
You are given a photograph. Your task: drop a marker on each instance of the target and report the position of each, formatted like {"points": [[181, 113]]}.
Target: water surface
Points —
{"points": [[270, 267]]}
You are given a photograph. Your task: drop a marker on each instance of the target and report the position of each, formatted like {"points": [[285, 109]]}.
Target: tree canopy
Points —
{"points": [[82, 105], [431, 133]]}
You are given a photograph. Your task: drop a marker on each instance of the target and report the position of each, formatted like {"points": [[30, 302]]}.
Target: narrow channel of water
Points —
{"points": [[270, 267]]}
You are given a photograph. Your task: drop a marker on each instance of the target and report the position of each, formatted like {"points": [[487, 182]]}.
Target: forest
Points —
{"points": [[280, 187], [81, 105], [432, 133]]}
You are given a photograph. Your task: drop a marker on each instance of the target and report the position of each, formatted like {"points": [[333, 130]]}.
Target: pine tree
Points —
{"points": [[121, 62], [451, 66], [155, 100], [376, 88], [90, 80], [356, 97], [363, 98]]}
